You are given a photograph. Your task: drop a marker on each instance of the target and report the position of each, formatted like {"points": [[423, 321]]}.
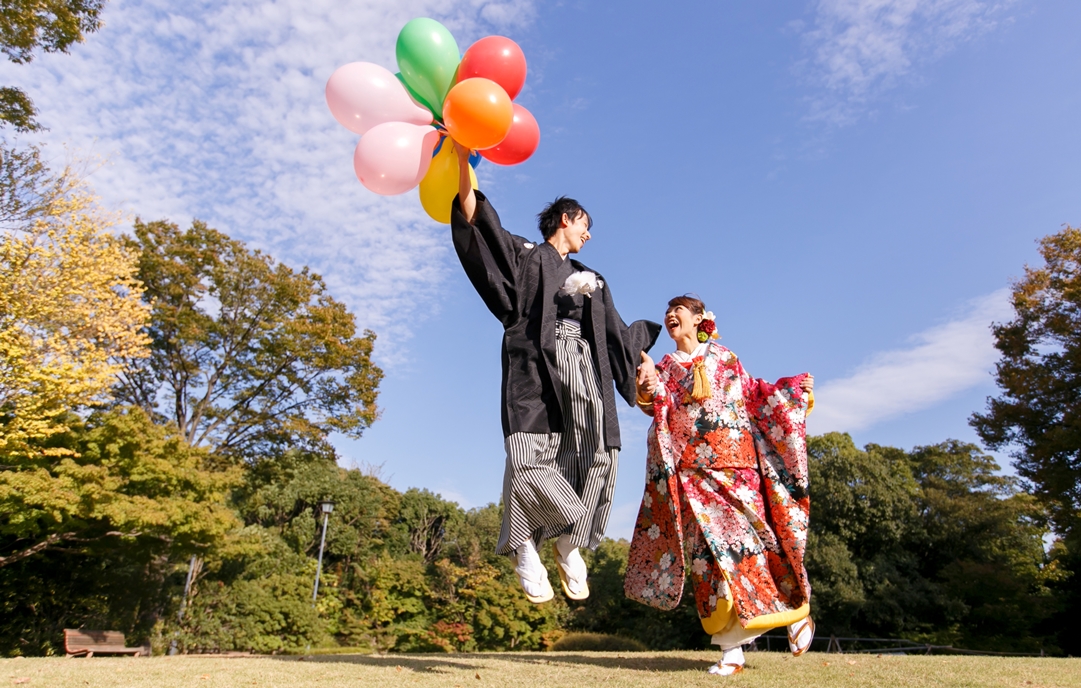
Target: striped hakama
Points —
{"points": [[562, 482]]}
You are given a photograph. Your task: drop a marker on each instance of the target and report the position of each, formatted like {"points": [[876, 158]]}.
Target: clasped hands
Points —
{"points": [[646, 381]]}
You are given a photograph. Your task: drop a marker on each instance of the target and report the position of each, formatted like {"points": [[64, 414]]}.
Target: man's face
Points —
{"points": [[576, 231]]}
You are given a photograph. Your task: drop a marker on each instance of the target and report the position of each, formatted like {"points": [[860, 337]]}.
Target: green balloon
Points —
{"points": [[428, 58], [437, 113]]}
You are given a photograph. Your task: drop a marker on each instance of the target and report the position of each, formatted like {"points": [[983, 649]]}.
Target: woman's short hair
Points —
{"points": [[548, 219], [688, 301]]}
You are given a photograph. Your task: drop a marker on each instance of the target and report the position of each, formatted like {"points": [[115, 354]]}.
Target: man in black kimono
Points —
{"points": [[564, 345]]}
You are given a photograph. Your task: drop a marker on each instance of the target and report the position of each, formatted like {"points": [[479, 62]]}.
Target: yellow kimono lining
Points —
{"points": [[721, 619]]}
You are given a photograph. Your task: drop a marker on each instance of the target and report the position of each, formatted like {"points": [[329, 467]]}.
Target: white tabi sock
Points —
{"points": [[570, 559], [732, 658], [530, 570]]}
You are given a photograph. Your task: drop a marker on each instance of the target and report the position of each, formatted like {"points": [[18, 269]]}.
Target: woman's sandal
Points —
{"points": [[807, 629], [563, 579], [721, 669], [731, 662]]}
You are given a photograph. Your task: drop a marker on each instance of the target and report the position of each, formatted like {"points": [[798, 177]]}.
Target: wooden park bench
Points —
{"points": [[79, 643]]}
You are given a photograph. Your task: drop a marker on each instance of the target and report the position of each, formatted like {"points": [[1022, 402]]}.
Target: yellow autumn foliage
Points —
{"points": [[70, 313]]}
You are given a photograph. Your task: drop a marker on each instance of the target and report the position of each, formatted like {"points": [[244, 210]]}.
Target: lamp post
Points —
{"points": [[326, 506]]}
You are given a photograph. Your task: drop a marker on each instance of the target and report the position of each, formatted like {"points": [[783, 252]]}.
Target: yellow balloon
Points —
{"points": [[440, 184]]}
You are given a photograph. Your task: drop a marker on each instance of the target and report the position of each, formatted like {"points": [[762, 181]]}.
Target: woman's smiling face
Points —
{"points": [[681, 322]]}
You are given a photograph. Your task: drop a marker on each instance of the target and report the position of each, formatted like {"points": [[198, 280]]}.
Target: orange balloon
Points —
{"points": [[478, 113]]}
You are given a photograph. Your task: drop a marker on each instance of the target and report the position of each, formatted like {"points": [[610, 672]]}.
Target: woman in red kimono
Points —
{"points": [[727, 478]]}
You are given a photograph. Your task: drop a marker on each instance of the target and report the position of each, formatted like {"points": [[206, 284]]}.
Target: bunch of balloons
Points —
{"points": [[406, 119]]}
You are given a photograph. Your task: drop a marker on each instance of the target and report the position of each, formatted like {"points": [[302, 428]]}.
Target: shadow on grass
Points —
{"points": [[632, 660], [459, 661], [411, 662]]}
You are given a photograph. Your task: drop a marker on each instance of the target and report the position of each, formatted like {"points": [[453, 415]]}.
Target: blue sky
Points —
{"points": [[849, 184]]}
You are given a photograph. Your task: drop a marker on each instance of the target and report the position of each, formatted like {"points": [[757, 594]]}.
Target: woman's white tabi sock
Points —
{"points": [[570, 560], [530, 570], [731, 662]]}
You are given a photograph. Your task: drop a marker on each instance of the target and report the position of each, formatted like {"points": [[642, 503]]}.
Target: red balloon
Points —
{"points": [[496, 58], [520, 141]]}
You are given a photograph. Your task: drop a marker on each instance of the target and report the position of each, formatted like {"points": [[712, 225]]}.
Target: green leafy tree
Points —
{"points": [[481, 607], [253, 594], [386, 604], [93, 533], [249, 357], [863, 511], [233, 608], [1038, 413], [282, 494], [930, 544], [471, 536], [27, 26], [120, 476], [29, 189], [608, 611], [982, 542], [425, 516]]}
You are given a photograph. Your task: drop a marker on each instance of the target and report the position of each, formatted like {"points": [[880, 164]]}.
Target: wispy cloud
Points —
{"points": [[215, 110], [859, 49], [942, 361]]}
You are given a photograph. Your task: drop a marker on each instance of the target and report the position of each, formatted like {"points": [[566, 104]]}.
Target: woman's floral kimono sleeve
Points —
{"points": [[655, 572], [778, 412]]}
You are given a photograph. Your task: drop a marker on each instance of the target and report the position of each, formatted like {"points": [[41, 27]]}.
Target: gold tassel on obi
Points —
{"points": [[701, 390]]}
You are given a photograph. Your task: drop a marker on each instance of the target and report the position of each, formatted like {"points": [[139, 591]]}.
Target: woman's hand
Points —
{"points": [[808, 383], [647, 378]]}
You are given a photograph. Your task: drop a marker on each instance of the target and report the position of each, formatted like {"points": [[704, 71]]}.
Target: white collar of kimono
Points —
{"points": [[681, 357]]}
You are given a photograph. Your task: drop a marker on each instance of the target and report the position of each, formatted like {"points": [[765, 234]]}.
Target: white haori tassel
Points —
{"points": [[583, 282]]}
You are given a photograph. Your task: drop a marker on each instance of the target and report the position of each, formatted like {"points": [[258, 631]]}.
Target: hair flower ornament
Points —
{"points": [[584, 283], [707, 329]]}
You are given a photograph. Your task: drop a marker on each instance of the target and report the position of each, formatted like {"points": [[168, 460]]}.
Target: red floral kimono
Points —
{"points": [[727, 477]]}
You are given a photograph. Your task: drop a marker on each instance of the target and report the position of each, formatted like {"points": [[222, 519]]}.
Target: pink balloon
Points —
{"points": [[362, 95], [393, 157]]}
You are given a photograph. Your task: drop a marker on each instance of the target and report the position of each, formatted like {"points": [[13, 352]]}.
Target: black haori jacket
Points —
{"points": [[517, 280]]}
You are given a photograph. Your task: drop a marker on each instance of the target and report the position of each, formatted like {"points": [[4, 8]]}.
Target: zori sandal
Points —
{"points": [[532, 575], [800, 641], [719, 669], [731, 663], [546, 592], [563, 565]]}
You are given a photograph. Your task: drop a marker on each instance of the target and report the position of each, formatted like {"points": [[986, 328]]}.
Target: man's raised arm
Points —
{"points": [[466, 197]]}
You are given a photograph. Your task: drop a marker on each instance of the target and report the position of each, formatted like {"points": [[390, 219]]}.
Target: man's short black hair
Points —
{"points": [[548, 220]]}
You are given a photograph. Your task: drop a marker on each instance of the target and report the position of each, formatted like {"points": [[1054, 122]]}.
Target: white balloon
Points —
{"points": [[393, 157], [362, 95]]}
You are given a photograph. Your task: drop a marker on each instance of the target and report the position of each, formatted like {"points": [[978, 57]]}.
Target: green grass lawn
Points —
{"points": [[540, 670]]}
